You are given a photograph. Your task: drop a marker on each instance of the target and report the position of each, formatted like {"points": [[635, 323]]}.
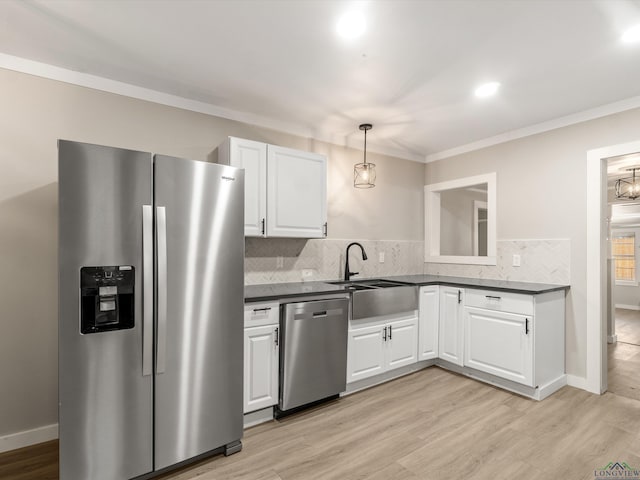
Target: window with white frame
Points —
{"points": [[623, 245]]}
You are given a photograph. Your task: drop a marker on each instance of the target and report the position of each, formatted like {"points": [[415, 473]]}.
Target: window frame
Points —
{"points": [[625, 234]]}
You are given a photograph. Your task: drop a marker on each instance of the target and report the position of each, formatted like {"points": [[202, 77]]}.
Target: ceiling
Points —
{"points": [[412, 73]]}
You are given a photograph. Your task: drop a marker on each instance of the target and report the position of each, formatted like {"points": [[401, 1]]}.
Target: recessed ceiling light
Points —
{"points": [[631, 35], [487, 89], [351, 25]]}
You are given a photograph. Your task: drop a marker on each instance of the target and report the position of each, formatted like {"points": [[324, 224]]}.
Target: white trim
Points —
{"points": [[553, 386], [612, 338], [584, 116], [477, 205], [432, 220], [531, 239], [596, 357], [28, 437], [628, 307], [626, 283], [461, 259], [51, 72], [577, 382]]}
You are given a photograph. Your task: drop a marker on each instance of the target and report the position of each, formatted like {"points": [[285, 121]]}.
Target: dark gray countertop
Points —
{"points": [[500, 285], [275, 291]]}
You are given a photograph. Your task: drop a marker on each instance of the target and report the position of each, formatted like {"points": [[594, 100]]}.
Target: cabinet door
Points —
{"points": [[252, 156], [402, 343], [429, 319], [500, 343], [365, 352], [450, 341], [297, 193], [260, 367]]}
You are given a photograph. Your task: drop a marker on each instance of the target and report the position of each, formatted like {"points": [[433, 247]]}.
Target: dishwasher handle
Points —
{"points": [[318, 314]]}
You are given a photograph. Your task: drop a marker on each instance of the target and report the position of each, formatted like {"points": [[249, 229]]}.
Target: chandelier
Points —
{"points": [[628, 187], [364, 174]]}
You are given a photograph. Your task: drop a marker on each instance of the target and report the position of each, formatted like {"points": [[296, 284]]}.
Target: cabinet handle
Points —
{"points": [[263, 225], [385, 334], [326, 229], [390, 329], [277, 332], [526, 326], [459, 296], [492, 297], [265, 309]]}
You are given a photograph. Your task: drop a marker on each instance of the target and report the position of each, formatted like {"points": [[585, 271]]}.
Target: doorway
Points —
{"points": [[598, 252], [623, 276]]}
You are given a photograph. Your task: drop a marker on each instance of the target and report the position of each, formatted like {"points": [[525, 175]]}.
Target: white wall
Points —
{"points": [[541, 194], [35, 113]]}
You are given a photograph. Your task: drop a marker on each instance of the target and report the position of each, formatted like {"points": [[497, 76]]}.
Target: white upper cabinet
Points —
{"points": [[296, 193], [285, 189], [251, 156]]}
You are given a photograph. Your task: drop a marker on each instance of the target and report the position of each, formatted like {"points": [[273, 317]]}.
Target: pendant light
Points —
{"points": [[629, 187], [364, 174]]}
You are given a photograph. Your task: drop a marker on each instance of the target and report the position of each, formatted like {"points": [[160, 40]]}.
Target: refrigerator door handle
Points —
{"points": [[161, 236], [147, 290]]}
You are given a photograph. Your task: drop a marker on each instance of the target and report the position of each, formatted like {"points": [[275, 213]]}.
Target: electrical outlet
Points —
{"points": [[516, 260], [279, 262], [381, 257]]}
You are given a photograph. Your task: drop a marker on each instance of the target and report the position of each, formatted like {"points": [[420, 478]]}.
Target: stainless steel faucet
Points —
{"points": [[347, 273]]}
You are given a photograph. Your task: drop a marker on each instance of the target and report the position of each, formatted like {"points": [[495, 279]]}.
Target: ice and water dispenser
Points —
{"points": [[107, 298]]}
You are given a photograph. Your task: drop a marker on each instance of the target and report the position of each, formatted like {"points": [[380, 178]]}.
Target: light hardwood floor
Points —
{"points": [[628, 326], [431, 425]]}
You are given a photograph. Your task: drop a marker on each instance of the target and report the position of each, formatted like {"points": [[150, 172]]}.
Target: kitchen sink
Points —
{"points": [[375, 297]]}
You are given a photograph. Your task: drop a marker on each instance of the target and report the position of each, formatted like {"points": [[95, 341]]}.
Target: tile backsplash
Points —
{"points": [[281, 260], [542, 261]]}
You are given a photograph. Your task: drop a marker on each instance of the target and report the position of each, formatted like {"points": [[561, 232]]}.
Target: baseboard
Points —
{"points": [[28, 437], [612, 338], [577, 382], [628, 307], [545, 390], [259, 416]]}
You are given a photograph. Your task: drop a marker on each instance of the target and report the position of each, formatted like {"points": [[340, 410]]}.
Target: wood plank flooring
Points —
{"points": [[429, 425], [628, 325]]}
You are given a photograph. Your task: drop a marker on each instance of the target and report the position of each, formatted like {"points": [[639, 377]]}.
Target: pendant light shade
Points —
{"points": [[364, 174], [629, 187]]}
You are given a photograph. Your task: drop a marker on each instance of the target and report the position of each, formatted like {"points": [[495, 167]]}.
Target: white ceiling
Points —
{"points": [[412, 73]]}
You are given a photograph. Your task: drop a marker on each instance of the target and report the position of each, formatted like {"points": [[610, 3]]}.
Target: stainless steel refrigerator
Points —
{"points": [[151, 253]]}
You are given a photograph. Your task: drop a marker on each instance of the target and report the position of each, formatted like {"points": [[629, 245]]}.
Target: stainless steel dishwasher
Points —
{"points": [[313, 355]]}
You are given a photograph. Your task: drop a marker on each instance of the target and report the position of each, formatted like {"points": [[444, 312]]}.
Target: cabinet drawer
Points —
{"points": [[258, 314], [500, 301]]}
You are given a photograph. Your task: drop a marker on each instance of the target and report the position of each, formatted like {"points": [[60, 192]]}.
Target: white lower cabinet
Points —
{"points": [[451, 324], [381, 344], [261, 356], [500, 343], [517, 337], [429, 318], [402, 343]]}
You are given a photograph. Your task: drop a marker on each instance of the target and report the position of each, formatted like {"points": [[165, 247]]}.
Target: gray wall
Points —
{"points": [[456, 221], [541, 193], [35, 113]]}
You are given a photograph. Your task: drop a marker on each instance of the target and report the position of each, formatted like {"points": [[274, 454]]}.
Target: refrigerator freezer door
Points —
{"points": [[199, 390], [105, 411]]}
